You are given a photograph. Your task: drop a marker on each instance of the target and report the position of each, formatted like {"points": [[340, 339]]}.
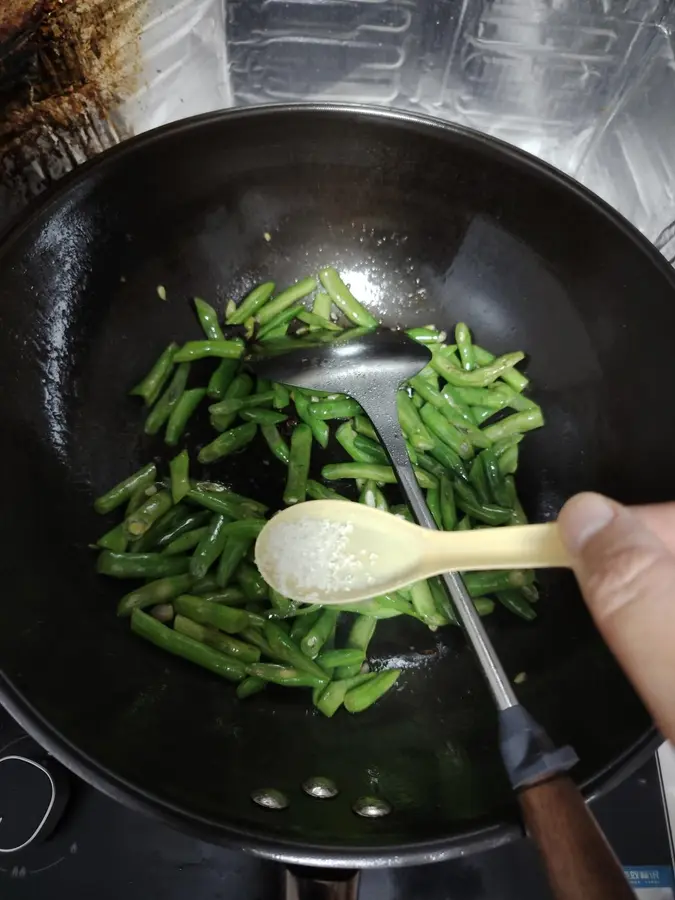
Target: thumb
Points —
{"points": [[627, 577]]}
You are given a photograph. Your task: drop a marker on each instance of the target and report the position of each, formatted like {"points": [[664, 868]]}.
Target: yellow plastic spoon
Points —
{"points": [[328, 551]]}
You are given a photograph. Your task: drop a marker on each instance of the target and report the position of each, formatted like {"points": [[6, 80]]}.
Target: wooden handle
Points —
{"points": [[579, 861]]}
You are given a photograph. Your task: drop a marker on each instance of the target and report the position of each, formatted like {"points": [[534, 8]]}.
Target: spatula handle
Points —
{"points": [[579, 862]]}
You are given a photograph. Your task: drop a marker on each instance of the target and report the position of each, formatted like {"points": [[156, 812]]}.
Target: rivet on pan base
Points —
{"points": [[371, 807], [319, 787], [270, 798]]}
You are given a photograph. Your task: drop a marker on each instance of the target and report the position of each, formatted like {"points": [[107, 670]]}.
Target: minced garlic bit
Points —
{"points": [[161, 292], [520, 678], [267, 236], [314, 558]]}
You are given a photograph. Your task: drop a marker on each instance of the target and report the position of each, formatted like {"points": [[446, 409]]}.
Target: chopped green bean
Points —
{"points": [[121, 492], [322, 305], [235, 404], [251, 304], [360, 635], [424, 605], [434, 504], [185, 542], [335, 409], [333, 694], [179, 468], [478, 480], [286, 650], [205, 634], [163, 408], [116, 539], [222, 378], [380, 474], [314, 321], [515, 602], [364, 426], [497, 488], [318, 634], [448, 506], [426, 335], [140, 565], [151, 386], [411, 424], [483, 512], [465, 347], [147, 514], [298, 466], [182, 645], [372, 496], [319, 428], [480, 377], [223, 617], [317, 491], [250, 686], [227, 443], [359, 698], [154, 592], [278, 326], [511, 376], [478, 584], [260, 416], [446, 432], [208, 319], [343, 298], [286, 298], [515, 424], [231, 596], [193, 350], [282, 396], [251, 582], [346, 437], [210, 547], [284, 675], [233, 553], [331, 659], [276, 443], [162, 529]]}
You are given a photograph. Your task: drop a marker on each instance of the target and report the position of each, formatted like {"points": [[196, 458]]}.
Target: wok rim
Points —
{"points": [[283, 849]]}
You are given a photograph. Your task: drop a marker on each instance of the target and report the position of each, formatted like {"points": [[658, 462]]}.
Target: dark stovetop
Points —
{"points": [[101, 849]]}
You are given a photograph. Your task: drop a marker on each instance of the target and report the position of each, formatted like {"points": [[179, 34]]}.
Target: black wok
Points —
{"points": [[429, 223]]}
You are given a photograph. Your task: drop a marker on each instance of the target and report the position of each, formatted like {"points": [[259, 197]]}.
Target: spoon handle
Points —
{"points": [[513, 547]]}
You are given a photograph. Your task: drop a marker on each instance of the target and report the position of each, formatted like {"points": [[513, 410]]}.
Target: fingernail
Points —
{"points": [[583, 517]]}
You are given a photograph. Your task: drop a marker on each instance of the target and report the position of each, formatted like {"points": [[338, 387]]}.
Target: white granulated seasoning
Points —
{"points": [[314, 557]]}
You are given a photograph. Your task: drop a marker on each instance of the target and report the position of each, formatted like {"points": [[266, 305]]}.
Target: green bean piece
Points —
{"points": [[166, 524], [210, 546], [465, 346], [281, 396], [446, 432], [204, 586], [282, 301], [331, 659], [281, 604], [140, 494], [469, 503], [481, 415], [508, 461], [181, 645], [298, 466], [464, 524], [491, 398], [459, 419], [255, 637], [185, 542], [500, 447], [205, 634], [530, 592], [276, 443], [250, 686], [518, 515], [425, 606], [360, 635], [371, 449], [319, 428], [364, 426], [286, 650], [343, 298], [380, 474], [434, 504], [240, 387], [515, 424], [318, 634], [116, 539], [478, 584], [335, 409], [260, 416], [442, 602], [163, 408], [227, 443], [231, 596], [121, 492], [179, 467], [208, 319], [140, 565], [278, 326], [143, 518], [514, 601], [426, 335], [499, 493], [193, 350], [222, 378], [223, 617], [480, 377], [448, 506], [316, 322], [285, 676], [244, 528], [235, 404], [188, 520], [346, 437], [402, 511], [360, 698], [386, 606], [303, 623], [332, 696], [251, 582], [317, 491], [154, 592], [478, 480], [411, 424], [233, 553], [427, 392], [372, 496], [448, 459], [151, 386], [322, 306], [252, 303], [512, 377], [224, 502]]}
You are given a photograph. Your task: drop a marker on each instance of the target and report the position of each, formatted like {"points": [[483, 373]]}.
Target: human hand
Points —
{"points": [[624, 560]]}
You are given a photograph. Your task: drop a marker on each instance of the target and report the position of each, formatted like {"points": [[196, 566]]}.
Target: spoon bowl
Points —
{"points": [[328, 551]]}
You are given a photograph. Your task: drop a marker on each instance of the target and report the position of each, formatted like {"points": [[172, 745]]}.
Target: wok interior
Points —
{"points": [[427, 225]]}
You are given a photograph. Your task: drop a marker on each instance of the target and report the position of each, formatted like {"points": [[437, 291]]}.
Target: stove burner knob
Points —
{"points": [[33, 795]]}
